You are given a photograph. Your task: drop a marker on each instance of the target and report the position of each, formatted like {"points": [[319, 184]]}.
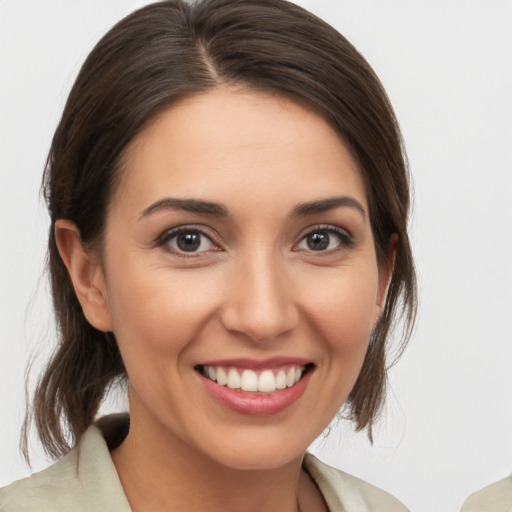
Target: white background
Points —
{"points": [[447, 66]]}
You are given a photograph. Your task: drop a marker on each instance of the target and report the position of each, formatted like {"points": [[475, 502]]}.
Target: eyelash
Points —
{"points": [[345, 240]]}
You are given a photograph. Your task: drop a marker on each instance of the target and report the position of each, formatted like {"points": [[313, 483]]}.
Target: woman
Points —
{"points": [[229, 205]]}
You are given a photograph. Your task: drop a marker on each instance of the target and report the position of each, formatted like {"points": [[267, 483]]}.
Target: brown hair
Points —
{"points": [[149, 60]]}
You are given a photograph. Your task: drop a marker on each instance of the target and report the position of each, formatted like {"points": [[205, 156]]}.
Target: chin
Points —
{"points": [[263, 450], [259, 461]]}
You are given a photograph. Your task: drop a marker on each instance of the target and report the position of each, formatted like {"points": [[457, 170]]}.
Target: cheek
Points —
{"points": [[343, 315], [345, 308], [155, 311]]}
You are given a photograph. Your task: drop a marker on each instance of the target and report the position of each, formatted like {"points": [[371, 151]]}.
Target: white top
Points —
{"points": [[85, 480], [496, 497]]}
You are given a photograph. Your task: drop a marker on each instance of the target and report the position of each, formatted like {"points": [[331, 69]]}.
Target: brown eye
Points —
{"points": [[318, 241], [188, 241], [324, 240]]}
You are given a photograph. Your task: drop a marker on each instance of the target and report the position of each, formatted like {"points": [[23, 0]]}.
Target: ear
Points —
{"points": [[86, 274], [385, 274]]}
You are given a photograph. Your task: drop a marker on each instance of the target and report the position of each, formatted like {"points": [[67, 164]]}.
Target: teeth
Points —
{"points": [[249, 381], [233, 379], [281, 380], [290, 377], [267, 381], [222, 378]]}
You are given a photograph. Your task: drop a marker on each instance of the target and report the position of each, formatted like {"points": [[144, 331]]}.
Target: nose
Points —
{"points": [[260, 302]]}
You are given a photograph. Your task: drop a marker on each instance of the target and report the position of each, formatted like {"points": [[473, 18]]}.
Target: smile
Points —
{"points": [[249, 380], [256, 387]]}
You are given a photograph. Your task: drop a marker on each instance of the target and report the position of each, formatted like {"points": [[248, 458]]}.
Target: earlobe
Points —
{"points": [[86, 274]]}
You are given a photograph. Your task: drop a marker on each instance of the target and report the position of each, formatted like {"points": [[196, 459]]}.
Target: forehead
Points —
{"points": [[229, 141]]}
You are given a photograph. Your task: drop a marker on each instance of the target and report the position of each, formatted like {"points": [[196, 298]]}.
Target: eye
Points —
{"points": [[324, 240], [187, 241]]}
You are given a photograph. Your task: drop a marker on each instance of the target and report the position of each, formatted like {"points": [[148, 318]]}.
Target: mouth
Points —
{"points": [[255, 381]]}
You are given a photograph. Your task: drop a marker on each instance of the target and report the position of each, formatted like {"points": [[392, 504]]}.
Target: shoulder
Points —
{"points": [[342, 491], [84, 480], [496, 497], [50, 487]]}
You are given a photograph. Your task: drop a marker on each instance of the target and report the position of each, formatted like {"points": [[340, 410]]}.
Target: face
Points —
{"points": [[240, 277]]}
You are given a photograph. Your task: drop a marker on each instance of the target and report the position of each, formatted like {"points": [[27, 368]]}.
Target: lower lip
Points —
{"points": [[253, 404]]}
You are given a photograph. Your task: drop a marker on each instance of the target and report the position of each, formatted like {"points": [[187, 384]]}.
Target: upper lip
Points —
{"points": [[257, 364]]}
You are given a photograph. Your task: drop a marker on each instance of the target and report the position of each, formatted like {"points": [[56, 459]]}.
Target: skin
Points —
{"points": [[254, 289]]}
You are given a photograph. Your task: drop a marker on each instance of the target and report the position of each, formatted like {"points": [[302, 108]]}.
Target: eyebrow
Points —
{"points": [[187, 205], [325, 205], [219, 210]]}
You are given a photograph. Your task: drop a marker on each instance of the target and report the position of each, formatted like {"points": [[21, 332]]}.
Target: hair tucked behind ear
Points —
{"points": [[149, 60], [71, 389]]}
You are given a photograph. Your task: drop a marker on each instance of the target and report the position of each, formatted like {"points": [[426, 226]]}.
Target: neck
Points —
{"points": [[160, 472]]}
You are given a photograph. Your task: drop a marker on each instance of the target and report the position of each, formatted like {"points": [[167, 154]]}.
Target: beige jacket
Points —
{"points": [[85, 480], [493, 498]]}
